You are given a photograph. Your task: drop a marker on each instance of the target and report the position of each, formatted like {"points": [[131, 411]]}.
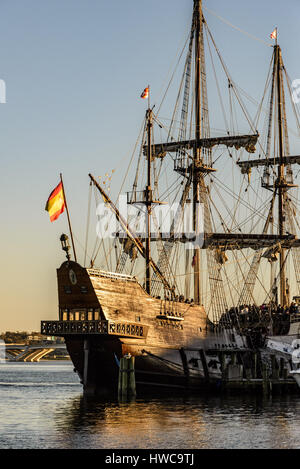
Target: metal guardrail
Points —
{"points": [[63, 328]]}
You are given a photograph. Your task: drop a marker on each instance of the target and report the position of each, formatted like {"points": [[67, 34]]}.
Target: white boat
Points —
{"points": [[287, 346], [296, 376]]}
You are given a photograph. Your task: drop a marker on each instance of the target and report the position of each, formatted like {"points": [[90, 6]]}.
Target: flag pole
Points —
{"points": [[68, 215]]}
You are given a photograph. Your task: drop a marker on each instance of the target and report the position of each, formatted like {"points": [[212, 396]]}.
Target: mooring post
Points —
{"points": [[266, 384], [185, 366], [274, 367], [222, 359], [281, 368], [131, 379], [264, 379], [234, 358], [204, 364], [126, 384], [86, 349], [124, 378], [255, 365]]}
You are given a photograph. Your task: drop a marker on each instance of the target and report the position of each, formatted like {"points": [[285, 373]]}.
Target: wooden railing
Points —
{"points": [[112, 275], [122, 329]]}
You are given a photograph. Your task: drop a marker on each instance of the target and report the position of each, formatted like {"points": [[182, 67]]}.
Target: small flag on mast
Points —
{"points": [[274, 34], [56, 203], [145, 93]]}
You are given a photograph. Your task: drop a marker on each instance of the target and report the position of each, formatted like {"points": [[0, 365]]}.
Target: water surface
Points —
{"points": [[41, 406]]}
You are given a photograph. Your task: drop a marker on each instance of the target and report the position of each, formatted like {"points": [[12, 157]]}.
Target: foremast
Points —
{"points": [[131, 235]]}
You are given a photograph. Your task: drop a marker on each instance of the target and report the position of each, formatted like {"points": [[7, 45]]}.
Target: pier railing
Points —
{"points": [[122, 329]]}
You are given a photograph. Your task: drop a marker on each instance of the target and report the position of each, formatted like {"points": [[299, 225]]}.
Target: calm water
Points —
{"points": [[41, 406]]}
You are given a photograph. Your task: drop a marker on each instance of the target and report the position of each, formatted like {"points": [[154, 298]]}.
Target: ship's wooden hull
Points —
{"points": [[167, 338], [97, 364], [153, 372]]}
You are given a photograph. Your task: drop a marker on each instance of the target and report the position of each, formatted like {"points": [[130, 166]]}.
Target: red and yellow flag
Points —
{"points": [[145, 93], [274, 34], [56, 202]]}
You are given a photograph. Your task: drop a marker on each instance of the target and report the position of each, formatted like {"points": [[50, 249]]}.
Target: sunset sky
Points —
{"points": [[74, 71]]}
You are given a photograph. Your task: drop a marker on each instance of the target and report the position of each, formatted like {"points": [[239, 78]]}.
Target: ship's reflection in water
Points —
{"points": [[194, 423], [41, 406]]}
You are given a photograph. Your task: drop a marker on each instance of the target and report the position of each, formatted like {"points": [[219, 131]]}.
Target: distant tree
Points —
{"points": [[10, 337]]}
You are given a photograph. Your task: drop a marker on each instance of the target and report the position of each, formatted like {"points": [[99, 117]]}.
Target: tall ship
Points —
{"points": [[202, 259]]}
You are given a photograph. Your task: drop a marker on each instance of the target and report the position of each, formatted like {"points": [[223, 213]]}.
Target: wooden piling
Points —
{"points": [[185, 366], [275, 370], [131, 378], [126, 384], [204, 364], [86, 349], [234, 358], [281, 368], [222, 359], [255, 359], [266, 385]]}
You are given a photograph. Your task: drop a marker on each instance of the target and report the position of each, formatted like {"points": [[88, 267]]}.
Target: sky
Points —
{"points": [[74, 71]]}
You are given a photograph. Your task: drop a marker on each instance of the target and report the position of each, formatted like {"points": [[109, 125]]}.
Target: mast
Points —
{"points": [[198, 165], [282, 160], [197, 150], [148, 194], [281, 183], [68, 215], [131, 235]]}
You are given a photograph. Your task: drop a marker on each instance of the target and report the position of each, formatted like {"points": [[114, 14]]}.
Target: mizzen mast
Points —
{"points": [[282, 161], [281, 182]]}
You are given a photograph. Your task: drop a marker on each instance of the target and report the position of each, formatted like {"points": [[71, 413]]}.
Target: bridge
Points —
{"points": [[30, 353]]}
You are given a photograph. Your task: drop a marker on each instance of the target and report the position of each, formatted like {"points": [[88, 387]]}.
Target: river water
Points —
{"points": [[41, 406]]}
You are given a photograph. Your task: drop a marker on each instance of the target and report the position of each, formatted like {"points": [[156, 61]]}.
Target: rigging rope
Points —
{"points": [[237, 28]]}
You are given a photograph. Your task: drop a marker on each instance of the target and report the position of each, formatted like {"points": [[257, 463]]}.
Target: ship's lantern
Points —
{"points": [[65, 244]]}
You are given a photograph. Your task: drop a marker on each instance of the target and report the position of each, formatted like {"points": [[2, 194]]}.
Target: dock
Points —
{"points": [[254, 371]]}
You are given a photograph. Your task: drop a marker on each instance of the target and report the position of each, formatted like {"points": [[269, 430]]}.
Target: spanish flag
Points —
{"points": [[56, 202], [274, 34], [145, 93]]}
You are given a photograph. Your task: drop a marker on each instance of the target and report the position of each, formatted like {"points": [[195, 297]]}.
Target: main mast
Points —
{"points": [[196, 166], [197, 150]]}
